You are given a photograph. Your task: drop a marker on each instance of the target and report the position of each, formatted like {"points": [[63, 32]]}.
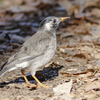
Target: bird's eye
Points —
{"points": [[54, 20]]}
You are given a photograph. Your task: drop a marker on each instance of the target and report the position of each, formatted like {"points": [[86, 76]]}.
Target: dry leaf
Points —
{"points": [[86, 48], [87, 38], [67, 5], [76, 73], [95, 33], [63, 88], [79, 55], [62, 91], [93, 85], [97, 56], [79, 22], [66, 35]]}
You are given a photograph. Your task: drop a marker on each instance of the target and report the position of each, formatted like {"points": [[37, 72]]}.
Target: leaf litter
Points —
{"points": [[77, 57]]}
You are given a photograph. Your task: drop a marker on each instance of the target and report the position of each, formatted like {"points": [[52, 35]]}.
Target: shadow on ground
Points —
{"points": [[44, 75]]}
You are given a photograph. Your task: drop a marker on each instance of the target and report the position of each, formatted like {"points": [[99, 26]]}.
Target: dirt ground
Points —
{"points": [[77, 58]]}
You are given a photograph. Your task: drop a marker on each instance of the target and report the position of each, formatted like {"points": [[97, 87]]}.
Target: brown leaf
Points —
{"points": [[79, 22], [43, 5], [75, 74], [97, 56], [80, 55], [66, 35], [93, 85], [67, 5], [95, 12]]}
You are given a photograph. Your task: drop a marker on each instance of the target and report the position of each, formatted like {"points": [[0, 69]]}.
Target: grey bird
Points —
{"points": [[37, 51]]}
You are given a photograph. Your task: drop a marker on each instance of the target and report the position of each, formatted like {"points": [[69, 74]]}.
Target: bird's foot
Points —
{"points": [[40, 84], [29, 85]]}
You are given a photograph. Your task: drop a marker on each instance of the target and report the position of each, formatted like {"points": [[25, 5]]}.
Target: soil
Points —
{"points": [[77, 57]]}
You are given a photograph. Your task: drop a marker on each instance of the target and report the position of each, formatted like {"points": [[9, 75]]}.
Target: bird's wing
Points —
{"points": [[32, 48]]}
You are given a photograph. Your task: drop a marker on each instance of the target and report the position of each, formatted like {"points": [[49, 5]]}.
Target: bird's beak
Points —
{"points": [[64, 18]]}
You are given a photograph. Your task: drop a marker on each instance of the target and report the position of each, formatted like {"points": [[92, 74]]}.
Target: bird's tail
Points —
{"points": [[2, 69]]}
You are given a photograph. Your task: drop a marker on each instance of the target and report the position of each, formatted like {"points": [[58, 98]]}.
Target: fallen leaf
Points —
{"points": [[79, 55], [62, 92], [97, 56], [87, 38], [87, 49], [95, 33], [66, 35], [95, 12], [67, 5], [76, 73], [93, 85], [79, 22], [63, 88]]}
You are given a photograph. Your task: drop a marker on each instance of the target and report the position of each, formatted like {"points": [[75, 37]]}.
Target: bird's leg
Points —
{"points": [[35, 79], [27, 79], [40, 82]]}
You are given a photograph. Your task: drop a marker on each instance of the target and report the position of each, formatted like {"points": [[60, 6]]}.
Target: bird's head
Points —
{"points": [[51, 23]]}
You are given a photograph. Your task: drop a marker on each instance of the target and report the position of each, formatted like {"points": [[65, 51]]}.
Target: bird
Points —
{"points": [[37, 51]]}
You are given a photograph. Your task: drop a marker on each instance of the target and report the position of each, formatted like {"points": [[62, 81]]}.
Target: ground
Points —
{"points": [[77, 57]]}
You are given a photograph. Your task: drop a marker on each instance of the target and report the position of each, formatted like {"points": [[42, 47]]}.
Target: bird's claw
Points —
{"points": [[29, 85], [45, 86]]}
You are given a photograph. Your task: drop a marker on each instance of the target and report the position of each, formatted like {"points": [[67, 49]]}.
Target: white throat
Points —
{"points": [[48, 26]]}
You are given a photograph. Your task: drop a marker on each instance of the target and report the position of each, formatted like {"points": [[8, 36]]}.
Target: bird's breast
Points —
{"points": [[46, 56], [49, 53]]}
